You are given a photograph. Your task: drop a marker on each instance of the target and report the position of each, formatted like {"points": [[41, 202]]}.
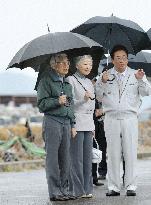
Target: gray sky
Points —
{"points": [[24, 20]]}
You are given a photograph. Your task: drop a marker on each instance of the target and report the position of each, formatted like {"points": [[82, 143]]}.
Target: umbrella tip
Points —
{"points": [[48, 28]]}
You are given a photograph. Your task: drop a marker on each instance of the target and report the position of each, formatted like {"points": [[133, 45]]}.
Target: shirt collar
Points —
{"points": [[80, 75], [61, 78], [114, 71]]}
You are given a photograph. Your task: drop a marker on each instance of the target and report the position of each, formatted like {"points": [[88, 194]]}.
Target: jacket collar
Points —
{"points": [[78, 74], [126, 72], [55, 77]]}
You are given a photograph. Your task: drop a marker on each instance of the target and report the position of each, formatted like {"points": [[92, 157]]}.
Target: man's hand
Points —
{"points": [[105, 76], [73, 132], [62, 99], [139, 74]]}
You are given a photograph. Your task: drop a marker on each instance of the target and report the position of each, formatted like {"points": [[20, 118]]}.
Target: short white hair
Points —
{"points": [[57, 57], [81, 58]]}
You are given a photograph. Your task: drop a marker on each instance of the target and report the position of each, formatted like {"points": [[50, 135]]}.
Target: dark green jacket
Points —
{"points": [[49, 89]]}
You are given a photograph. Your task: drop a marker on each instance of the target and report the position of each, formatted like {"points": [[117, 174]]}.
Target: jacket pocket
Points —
{"points": [[131, 98]]}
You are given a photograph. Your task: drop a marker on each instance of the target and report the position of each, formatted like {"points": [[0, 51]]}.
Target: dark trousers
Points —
{"points": [[101, 140], [81, 157], [57, 138]]}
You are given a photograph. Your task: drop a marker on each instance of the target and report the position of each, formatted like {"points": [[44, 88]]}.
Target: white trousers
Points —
{"points": [[122, 136]]}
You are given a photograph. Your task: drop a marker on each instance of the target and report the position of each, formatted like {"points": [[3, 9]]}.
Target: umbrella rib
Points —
{"points": [[27, 45], [89, 29], [109, 31], [93, 27], [106, 36], [23, 51], [120, 27]]}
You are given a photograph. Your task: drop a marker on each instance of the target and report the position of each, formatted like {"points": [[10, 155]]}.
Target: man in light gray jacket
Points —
{"points": [[120, 90]]}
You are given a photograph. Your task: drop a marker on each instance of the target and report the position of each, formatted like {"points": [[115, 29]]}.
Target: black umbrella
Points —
{"points": [[39, 50], [149, 35], [141, 60], [109, 31]]}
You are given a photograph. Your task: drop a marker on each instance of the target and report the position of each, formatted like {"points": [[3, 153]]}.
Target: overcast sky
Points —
{"points": [[24, 20]]}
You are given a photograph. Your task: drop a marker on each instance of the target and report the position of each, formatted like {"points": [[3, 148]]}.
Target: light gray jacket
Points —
{"points": [[132, 90], [83, 109]]}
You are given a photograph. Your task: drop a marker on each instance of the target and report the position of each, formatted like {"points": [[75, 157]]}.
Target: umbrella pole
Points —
{"points": [[108, 43], [108, 54]]}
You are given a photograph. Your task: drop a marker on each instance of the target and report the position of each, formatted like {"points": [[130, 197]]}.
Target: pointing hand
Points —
{"points": [[139, 74]]}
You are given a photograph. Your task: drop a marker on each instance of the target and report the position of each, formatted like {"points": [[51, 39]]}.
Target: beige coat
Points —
{"points": [[83, 110]]}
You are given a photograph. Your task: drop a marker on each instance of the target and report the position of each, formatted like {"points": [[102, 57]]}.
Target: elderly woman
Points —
{"points": [[81, 145]]}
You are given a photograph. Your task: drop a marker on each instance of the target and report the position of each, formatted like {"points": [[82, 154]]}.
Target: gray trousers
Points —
{"points": [[57, 137], [122, 136], [80, 182]]}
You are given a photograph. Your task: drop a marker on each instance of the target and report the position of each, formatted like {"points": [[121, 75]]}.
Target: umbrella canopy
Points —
{"points": [[109, 31], [37, 51], [149, 35], [141, 60]]}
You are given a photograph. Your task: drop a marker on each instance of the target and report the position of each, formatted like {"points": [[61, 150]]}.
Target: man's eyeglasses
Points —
{"points": [[63, 63], [121, 58]]}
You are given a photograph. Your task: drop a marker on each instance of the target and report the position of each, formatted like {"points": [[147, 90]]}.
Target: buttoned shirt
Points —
{"points": [[119, 76]]}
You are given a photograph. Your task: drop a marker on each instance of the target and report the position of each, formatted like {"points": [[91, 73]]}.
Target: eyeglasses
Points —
{"points": [[63, 63], [121, 58]]}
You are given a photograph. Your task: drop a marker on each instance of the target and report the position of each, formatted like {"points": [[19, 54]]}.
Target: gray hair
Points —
{"points": [[78, 59], [57, 57]]}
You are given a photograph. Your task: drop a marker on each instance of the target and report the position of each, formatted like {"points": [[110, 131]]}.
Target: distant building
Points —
{"points": [[18, 99], [17, 87]]}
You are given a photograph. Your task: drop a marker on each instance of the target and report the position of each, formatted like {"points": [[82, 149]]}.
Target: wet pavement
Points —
{"points": [[30, 188]]}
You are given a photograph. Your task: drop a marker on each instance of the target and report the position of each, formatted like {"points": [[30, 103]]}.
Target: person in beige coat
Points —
{"points": [[120, 90], [81, 184]]}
